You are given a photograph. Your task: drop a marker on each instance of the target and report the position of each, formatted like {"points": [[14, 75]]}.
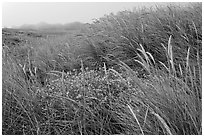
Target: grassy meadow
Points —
{"points": [[136, 72]]}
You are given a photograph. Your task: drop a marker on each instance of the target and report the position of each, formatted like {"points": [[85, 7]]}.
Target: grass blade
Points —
{"points": [[136, 119], [163, 123]]}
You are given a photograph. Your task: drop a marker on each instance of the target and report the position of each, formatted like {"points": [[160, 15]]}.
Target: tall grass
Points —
{"points": [[161, 44], [151, 28], [179, 94]]}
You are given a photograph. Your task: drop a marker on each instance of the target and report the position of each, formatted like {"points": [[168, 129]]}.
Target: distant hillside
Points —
{"points": [[45, 26]]}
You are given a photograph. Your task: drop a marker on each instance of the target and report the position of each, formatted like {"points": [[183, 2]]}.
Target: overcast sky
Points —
{"points": [[15, 14]]}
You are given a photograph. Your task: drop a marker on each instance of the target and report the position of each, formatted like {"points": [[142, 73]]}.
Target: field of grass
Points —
{"points": [[131, 73]]}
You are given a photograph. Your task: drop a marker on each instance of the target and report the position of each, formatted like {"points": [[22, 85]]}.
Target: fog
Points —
{"points": [[20, 13]]}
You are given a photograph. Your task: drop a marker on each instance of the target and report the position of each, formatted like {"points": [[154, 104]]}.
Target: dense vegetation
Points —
{"points": [[136, 72]]}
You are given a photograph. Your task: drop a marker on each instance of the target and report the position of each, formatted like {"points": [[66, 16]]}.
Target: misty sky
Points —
{"points": [[15, 14]]}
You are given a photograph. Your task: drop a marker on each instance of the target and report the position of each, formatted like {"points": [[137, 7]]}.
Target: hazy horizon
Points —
{"points": [[19, 13]]}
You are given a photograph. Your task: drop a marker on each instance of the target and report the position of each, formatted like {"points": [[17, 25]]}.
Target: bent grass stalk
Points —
{"points": [[136, 119], [163, 122], [145, 116], [146, 59], [170, 55]]}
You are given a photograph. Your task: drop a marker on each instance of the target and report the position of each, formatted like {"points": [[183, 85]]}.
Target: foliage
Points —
{"points": [[137, 72]]}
